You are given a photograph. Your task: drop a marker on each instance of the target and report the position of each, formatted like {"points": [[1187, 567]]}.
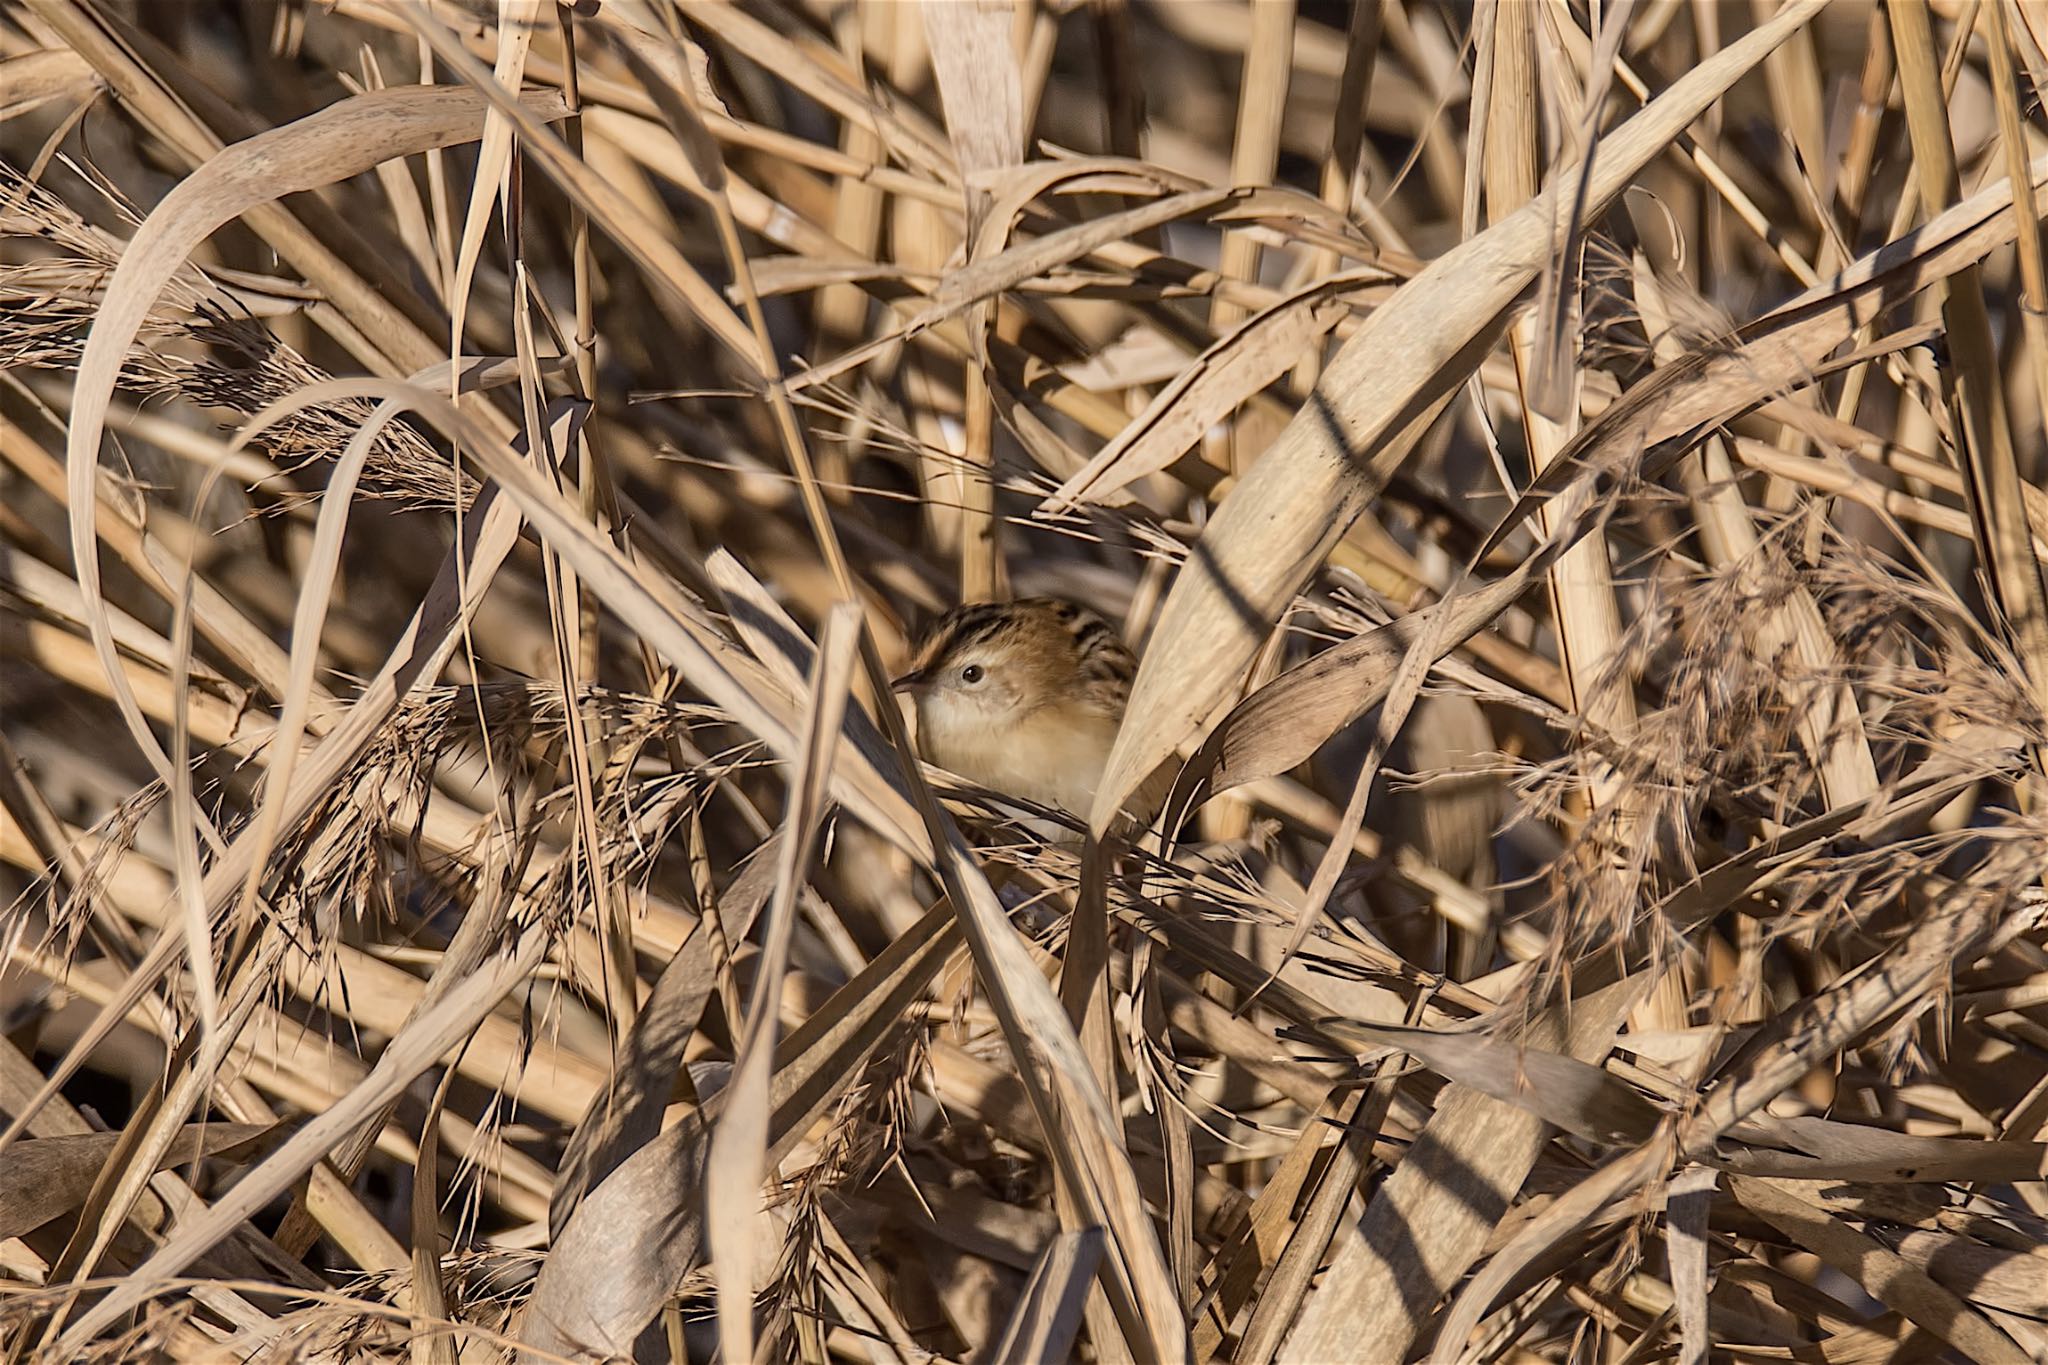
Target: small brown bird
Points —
{"points": [[1025, 698]]}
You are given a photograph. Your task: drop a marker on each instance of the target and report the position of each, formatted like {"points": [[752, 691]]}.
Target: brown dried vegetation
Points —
{"points": [[1573, 473]]}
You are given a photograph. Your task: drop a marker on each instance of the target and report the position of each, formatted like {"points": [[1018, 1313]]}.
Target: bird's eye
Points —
{"points": [[972, 674]]}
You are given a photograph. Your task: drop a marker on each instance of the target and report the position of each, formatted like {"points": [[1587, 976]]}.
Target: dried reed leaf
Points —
{"points": [[628, 1113], [2009, 1279], [1254, 158], [404, 1059], [1572, 1210], [1830, 724], [1803, 1147], [338, 142], [1432, 1216], [985, 278], [318, 584], [1689, 1201], [1237, 366], [1955, 927], [1878, 1271], [980, 87], [1286, 721], [650, 249], [1785, 678], [1238, 1267], [1972, 384], [493, 181], [1278, 524], [1784, 348], [2033, 268], [629, 1243], [33, 79], [430, 1294], [736, 1164], [1549, 386], [1576, 1096], [1048, 1312], [760, 622], [47, 1177], [1310, 1239]]}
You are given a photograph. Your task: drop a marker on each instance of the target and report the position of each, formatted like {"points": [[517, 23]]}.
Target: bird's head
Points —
{"points": [[995, 664]]}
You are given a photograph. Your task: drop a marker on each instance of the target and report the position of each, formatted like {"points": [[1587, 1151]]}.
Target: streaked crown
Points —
{"points": [[1034, 652]]}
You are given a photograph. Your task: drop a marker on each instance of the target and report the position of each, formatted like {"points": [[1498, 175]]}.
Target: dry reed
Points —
{"points": [[1573, 472]]}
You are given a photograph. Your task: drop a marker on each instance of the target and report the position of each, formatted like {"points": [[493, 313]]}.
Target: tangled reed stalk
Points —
{"points": [[1573, 476]]}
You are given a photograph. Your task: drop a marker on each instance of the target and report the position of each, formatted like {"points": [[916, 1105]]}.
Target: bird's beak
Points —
{"points": [[909, 682]]}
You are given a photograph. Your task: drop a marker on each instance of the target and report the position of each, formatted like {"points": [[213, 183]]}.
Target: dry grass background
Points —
{"points": [[1573, 473]]}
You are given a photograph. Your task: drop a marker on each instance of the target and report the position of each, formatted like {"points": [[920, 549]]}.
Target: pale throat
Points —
{"points": [[1053, 756]]}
